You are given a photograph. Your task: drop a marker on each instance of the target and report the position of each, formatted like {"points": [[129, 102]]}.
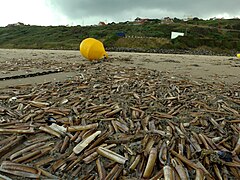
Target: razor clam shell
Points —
{"points": [[85, 142], [135, 109]]}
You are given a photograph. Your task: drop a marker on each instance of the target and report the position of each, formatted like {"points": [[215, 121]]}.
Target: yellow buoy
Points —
{"points": [[92, 49], [238, 55]]}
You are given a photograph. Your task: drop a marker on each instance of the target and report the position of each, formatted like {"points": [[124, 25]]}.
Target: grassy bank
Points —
{"points": [[213, 34]]}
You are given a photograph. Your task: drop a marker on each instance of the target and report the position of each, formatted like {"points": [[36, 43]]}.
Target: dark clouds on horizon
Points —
{"points": [[118, 10]]}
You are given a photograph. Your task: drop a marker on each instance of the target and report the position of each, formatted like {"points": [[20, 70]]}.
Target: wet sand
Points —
{"points": [[196, 67]]}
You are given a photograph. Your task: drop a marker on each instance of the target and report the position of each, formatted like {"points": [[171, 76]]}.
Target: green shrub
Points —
{"points": [[110, 40]]}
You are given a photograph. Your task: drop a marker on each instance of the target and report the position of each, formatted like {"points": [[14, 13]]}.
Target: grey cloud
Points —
{"points": [[122, 9]]}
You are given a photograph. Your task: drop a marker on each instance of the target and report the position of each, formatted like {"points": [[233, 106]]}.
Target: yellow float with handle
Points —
{"points": [[92, 49], [238, 55]]}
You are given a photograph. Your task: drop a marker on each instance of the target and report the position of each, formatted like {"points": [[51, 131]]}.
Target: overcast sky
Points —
{"points": [[86, 12]]}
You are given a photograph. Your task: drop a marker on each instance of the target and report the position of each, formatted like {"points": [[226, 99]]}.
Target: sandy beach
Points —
{"points": [[196, 67], [63, 117]]}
